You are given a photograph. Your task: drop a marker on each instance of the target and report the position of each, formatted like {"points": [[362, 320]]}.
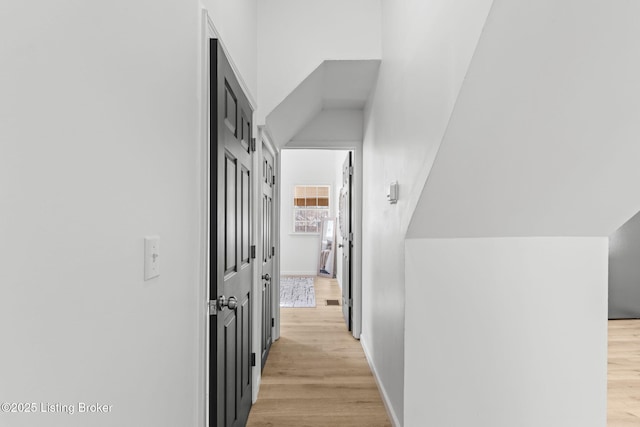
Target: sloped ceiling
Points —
{"points": [[334, 87], [544, 139]]}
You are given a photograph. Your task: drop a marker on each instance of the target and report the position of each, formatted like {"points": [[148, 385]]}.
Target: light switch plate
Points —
{"points": [[151, 257], [392, 193]]}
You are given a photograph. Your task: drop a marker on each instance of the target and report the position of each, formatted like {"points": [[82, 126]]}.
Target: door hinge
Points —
{"points": [[351, 170], [253, 144], [253, 359], [273, 179], [213, 307], [273, 250], [273, 322], [350, 302], [351, 237], [253, 252]]}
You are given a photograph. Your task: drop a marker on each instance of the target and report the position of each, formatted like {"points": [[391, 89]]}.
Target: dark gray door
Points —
{"points": [[268, 250], [346, 235], [231, 263]]}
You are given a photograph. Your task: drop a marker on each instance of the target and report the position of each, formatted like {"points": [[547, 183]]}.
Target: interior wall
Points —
{"points": [[507, 329], [296, 36], [624, 271], [543, 139], [99, 141], [300, 251], [426, 48], [237, 23]]}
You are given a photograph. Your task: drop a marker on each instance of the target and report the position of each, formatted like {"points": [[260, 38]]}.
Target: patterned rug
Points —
{"points": [[297, 291]]}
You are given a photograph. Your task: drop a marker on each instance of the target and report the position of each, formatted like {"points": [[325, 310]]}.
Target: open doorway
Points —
{"points": [[317, 223], [623, 407]]}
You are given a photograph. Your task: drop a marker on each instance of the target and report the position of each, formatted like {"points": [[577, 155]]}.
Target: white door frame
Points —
{"points": [[356, 148]]}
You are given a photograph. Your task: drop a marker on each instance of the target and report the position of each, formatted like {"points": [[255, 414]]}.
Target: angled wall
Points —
{"points": [[543, 139], [296, 36]]}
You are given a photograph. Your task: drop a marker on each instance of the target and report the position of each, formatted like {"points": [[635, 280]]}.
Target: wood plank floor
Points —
{"points": [[623, 401], [316, 374]]}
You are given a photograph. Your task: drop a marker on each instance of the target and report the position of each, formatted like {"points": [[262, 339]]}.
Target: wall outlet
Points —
{"points": [[151, 257]]}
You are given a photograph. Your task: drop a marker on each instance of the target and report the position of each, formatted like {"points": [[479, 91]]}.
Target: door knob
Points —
{"points": [[340, 245], [231, 302], [266, 277]]}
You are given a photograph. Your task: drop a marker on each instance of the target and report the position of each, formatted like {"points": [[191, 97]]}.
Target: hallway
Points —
{"points": [[316, 374]]}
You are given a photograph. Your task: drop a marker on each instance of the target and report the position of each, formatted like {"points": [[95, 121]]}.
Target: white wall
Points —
{"points": [[427, 48], [506, 329], [544, 136], [300, 252], [335, 125], [98, 143], [236, 21], [295, 36]]}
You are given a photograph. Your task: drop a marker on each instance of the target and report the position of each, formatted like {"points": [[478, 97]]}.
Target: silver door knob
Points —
{"points": [[266, 277], [231, 302], [340, 245]]}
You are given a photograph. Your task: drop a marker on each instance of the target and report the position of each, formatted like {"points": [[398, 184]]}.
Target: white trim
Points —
{"points": [[357, 232], [256, 288], [202, 392], [234, 67], [383, 392]]}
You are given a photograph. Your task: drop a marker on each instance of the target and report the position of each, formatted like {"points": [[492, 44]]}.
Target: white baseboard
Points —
{"points": [[385, 397], [298, 273]]}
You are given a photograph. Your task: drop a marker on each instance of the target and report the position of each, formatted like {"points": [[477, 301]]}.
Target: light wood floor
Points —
{"points": [[623, 406], [316, 374]]}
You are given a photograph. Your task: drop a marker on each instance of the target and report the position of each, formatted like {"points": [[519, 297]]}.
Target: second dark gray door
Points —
{"points": [[268, 250]]}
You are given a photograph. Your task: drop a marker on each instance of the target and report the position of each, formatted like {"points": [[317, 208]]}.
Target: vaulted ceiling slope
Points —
{"points": [[327, 105], [544, 139]]}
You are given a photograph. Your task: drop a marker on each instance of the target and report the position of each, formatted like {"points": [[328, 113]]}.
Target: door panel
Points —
{"points": [[230, 236], [231, 265], [245, 209], [267, 251], [230, 109], [346, 232]]}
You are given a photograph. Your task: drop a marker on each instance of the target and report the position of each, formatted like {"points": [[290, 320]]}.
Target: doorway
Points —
{"points": [[624, 324], [232, 259], [319, 186]]}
